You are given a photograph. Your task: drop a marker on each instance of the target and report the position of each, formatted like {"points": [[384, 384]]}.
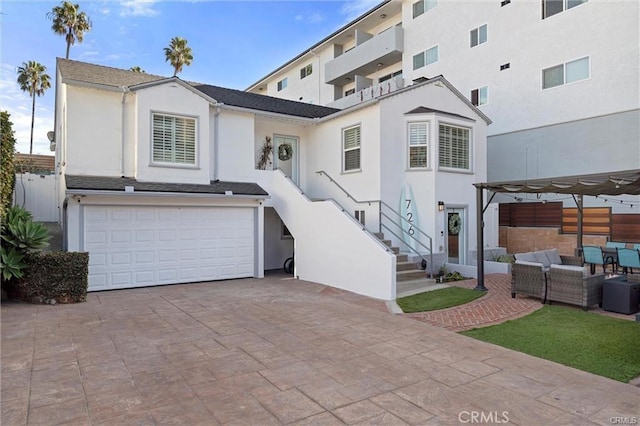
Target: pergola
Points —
{"points": [[626, 182]]}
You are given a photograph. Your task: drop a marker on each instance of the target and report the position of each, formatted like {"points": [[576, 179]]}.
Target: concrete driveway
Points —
{"points": [[275, 351]]}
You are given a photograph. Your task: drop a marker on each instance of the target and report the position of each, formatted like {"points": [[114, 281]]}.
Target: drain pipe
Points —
{"points": [[125, 90], [216, 122]]}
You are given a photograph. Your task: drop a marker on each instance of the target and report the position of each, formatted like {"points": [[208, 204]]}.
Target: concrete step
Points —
{"points": [[379, 235], [401, 258], [386, 242], [406, 266], [409, 288], [396, 250], [412, 274]]}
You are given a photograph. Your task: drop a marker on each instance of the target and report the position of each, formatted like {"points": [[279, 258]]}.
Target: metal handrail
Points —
{"points": [[381, 214]]}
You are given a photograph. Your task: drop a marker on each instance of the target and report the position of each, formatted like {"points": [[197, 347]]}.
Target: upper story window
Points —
{"points": [[306, 71], [553, 7], [565, 73], [454, 147], [389, 76], [423, 6], [480, 96], [174, 139], [282, 84], [418, 145], [425, 58], [351, 149], [478, 35]]}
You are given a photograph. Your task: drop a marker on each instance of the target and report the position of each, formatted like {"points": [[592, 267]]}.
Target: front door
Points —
{"points": [[455, 235], [286, 156]]}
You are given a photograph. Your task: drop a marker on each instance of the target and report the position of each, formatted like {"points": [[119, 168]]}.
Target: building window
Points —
{"points": [[174, 139], [425, 58], [479, 96], [282, 84], [306, 71], [479, 35], [453, 147], [423, 6], [418, 147], [350, 92], [565, 73], [389, 76], [553, 7], [351, 148]]}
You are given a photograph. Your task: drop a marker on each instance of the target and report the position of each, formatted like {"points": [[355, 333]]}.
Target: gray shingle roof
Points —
{"points": [[103, 183], [116, 78]]}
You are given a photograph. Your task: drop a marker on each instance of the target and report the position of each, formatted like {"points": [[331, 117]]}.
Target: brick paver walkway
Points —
{"points": [[495, 307]]}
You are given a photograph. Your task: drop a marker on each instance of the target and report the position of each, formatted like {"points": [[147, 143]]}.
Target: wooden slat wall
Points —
{"points": [[626, 228], [595, 220], [530, 214]]}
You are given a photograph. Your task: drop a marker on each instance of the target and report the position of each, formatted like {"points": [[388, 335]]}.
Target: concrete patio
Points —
{"points": [[275, 351]]}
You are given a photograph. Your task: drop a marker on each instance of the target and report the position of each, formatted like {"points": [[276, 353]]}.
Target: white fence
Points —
{"points": [[37, 194]]}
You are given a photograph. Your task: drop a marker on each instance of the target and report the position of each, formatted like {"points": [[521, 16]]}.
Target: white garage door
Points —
{"points": [[144, 246]]}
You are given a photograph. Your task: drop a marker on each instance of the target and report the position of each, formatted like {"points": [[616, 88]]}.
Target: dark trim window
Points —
{"points": [[389, 76], [566, 73], [351, 148], [350, 92], [282, 84], [425, 58], [423, 6], [553, 7], [306, 71], [174, 139], [478, 35], [479, 96], [454, 147]]}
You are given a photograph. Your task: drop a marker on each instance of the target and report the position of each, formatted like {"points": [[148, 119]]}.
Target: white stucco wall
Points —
{"points": [[163, 99]]}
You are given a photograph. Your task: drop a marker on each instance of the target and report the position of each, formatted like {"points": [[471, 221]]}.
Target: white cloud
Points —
{"points": [[18, 104], [313, 18], [354, 8], [138, 8]]}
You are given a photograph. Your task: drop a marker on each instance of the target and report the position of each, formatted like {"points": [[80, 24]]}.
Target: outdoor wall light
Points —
{"points": [[440, 206]]}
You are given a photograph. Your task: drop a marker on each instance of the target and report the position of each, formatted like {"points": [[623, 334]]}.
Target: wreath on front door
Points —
{"points": [[454, 224], [285, 152]]}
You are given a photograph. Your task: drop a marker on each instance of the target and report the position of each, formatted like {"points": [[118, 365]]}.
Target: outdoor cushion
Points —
{"points": [[582, 269], [541, 257], [554, 256], [524, 262], [527, 257]]}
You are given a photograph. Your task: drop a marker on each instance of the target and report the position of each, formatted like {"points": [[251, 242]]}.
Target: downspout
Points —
{"points": [[125, 90], [216, 115]]}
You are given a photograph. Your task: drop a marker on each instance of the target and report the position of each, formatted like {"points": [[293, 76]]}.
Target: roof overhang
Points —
{"points": [[625, 182]]}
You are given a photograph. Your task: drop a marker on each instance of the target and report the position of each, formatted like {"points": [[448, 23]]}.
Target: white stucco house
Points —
{"points": [[158, 181]]}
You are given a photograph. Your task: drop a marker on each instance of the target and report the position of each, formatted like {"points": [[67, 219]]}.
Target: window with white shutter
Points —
{"points": [[454, 147], [418, 147], [351, 148], [174, 139]]}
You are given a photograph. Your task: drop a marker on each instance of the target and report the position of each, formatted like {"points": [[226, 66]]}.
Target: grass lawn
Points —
{"points": [[587, 341], [438, 299]]}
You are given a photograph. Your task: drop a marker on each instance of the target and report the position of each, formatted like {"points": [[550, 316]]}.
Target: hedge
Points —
{"points": [[53, 277]]}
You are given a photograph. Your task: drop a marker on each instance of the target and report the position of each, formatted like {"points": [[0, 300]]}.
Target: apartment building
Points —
{"points": [[558, 78]]}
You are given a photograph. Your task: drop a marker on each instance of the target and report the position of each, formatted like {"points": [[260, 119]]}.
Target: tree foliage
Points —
{"points": [[178, 54], [67, 20], [137, 69], [7, 163], [33, 78]]}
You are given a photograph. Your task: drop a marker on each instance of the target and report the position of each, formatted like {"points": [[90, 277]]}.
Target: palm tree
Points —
{"points": [[137, 69], [178, 54], [33, 78], [69, 22]]}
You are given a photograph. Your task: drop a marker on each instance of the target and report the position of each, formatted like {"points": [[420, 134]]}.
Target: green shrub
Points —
{"points": [[7, 166], [53, 277], [20, 235]]}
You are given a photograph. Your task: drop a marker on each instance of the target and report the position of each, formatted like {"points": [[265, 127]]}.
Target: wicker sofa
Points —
{"points": [[574, 285], [529, 272]]}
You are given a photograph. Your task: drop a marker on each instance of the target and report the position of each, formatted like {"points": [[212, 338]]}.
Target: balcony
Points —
{"points": [[371, 92], [385, 48]]}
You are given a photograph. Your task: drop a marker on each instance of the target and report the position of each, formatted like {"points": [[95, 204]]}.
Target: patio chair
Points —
{"points": [[528, 278], [593, 255], [628, 258], [574, 285], [613, 244], [636, 246]]}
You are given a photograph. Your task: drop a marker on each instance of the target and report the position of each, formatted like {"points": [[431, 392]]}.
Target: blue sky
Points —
{"points": [[234, 43]]}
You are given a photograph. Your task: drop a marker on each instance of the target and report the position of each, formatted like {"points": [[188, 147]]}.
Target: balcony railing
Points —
{"points": [[371, 92]]}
